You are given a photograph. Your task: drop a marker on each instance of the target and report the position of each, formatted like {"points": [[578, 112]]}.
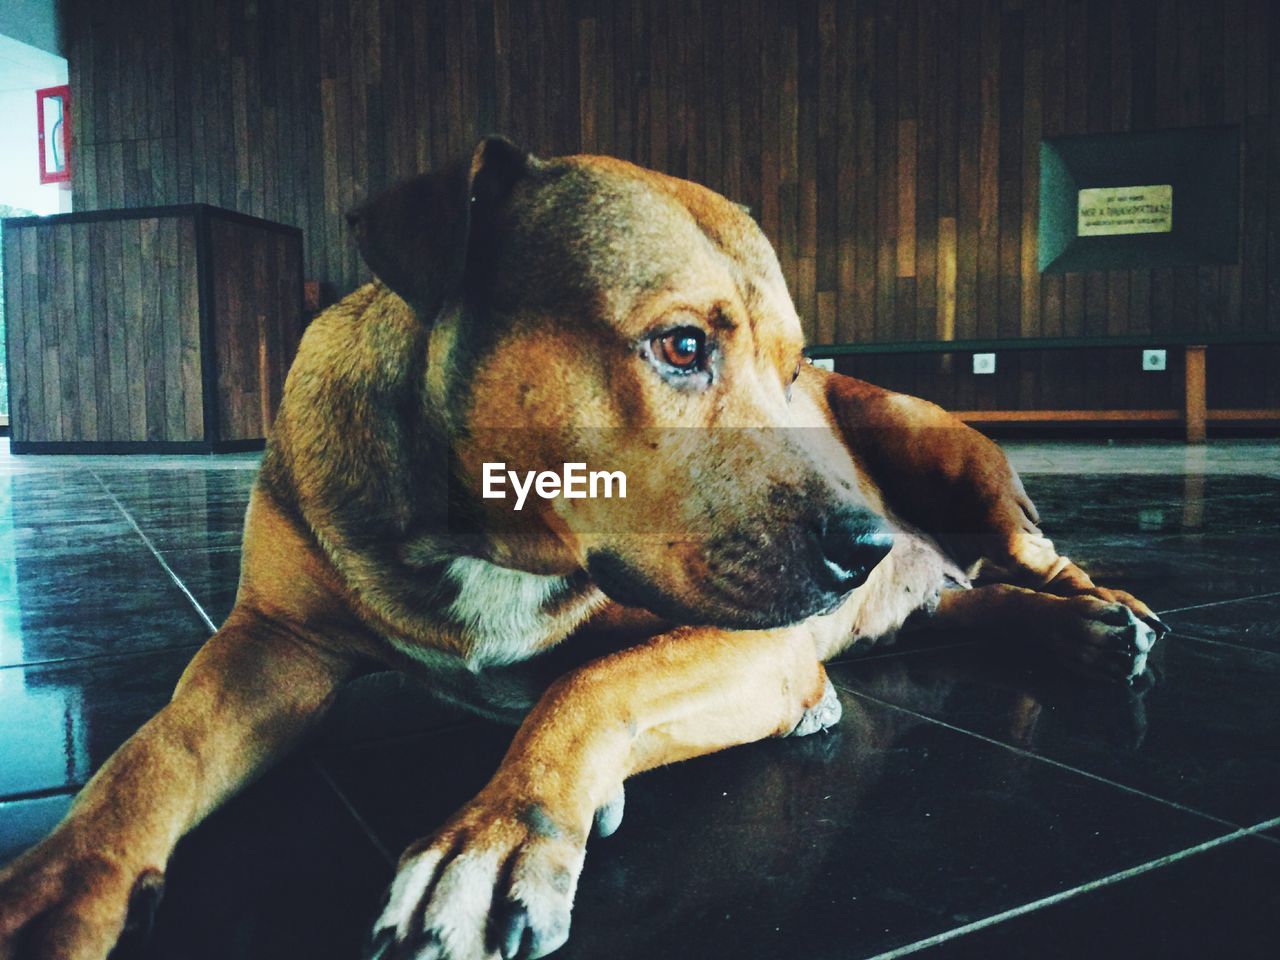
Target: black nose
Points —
{"points": [[852, 543]]}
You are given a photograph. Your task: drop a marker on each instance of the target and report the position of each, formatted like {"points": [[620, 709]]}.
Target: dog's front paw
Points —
{"points": [[1104, 637], [1136, 606], [65, 899], [497, 881]]}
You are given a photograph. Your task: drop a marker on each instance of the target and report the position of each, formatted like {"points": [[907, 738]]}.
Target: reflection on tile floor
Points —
{"points": [[1202, 736], [971, 803]]}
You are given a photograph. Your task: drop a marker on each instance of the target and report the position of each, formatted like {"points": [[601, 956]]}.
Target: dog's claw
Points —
{"points": [[380, 945], [822, 715], [513, 931], [425, 946], [609, 816]]}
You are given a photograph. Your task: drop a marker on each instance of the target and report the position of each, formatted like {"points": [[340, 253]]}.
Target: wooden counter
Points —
{"points": [[156, 329]]}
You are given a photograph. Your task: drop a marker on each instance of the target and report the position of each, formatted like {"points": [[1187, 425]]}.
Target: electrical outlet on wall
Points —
{"points": [[984, 363], [1153, 360], [825, 363]]}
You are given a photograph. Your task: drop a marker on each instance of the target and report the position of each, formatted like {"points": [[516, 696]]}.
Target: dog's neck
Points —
{"points": [[393, 521]]}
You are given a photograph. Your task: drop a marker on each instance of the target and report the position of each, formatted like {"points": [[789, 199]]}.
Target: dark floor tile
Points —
{"points": [[184, 489], [1169, 576], [382, 706], [99, 602], [57, 534], [1246, 623], [1151, 504], [283, 870], [1174, 541], [1205, 735], [425, 792], [57, 520], [185, 509], [884, 831], [187, 481], [1222, 902], [1178, 568], [34, 493], [193, 526], [23, 823], [176, 500], [57, 501], [1257, 548], [58, 722]]}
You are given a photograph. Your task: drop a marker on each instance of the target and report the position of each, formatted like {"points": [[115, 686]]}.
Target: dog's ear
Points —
{"points": [[417, 235]]}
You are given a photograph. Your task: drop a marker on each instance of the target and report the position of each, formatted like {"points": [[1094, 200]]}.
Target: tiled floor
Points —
{"points": [[971, 802]]}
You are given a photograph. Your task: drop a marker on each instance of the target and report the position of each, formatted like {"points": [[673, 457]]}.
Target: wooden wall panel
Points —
{"points": [[889, 148]]}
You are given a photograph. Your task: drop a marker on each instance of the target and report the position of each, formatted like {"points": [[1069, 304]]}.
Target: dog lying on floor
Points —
{"points": [[531, 314]]}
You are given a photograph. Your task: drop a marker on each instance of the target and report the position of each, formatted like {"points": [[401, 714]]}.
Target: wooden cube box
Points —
{"points": [[156, 330]]}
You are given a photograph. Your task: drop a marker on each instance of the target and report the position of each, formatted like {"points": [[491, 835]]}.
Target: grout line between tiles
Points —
{"points": [[1220, 603], [114, 655], [66, 789], [1256, 831], [1057, 897], [1036, 756], [1192, 638], [355, 814], [161, 560]]}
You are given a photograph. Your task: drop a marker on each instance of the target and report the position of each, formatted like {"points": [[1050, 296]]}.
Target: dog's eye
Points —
{"points": [[683, 350]]}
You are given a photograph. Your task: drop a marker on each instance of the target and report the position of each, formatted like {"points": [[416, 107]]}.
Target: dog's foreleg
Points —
{"points": [[947, 480], [499, 878], [248, 695]]}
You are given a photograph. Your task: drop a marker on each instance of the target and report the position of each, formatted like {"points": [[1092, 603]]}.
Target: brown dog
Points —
{"points": [[536, 313]]}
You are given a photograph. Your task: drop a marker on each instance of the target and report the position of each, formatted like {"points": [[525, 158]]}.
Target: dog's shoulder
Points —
{"points": [[338, 449], [345, 452]]}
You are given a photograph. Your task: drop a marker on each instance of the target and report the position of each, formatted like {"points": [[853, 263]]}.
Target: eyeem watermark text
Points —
{"points": [[573, 482]]}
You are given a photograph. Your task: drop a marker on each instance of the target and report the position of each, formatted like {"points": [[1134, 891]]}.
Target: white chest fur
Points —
{"points": [[507, 615]]}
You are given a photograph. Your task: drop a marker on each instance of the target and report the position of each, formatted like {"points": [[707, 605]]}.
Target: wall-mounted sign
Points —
{"points": [[53, 124], [1085, 225], [1113, 211]]}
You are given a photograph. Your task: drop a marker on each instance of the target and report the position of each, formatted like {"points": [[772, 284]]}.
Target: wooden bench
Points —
{"points": [[1195, 414]]}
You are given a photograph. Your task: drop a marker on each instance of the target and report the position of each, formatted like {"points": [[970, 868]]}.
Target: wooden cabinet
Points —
{"points": [[157, 329]]}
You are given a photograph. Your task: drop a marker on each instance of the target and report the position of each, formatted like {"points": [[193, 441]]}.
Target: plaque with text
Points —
{"points": [[1107, 200], [1116, 211]]}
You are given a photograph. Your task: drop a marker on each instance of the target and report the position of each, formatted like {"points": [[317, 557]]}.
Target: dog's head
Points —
{"points": [[585, 310]]}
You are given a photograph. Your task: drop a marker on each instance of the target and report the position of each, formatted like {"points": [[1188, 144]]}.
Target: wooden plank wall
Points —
{"points": [[103, 327], [257, 322], [888, 147]]}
